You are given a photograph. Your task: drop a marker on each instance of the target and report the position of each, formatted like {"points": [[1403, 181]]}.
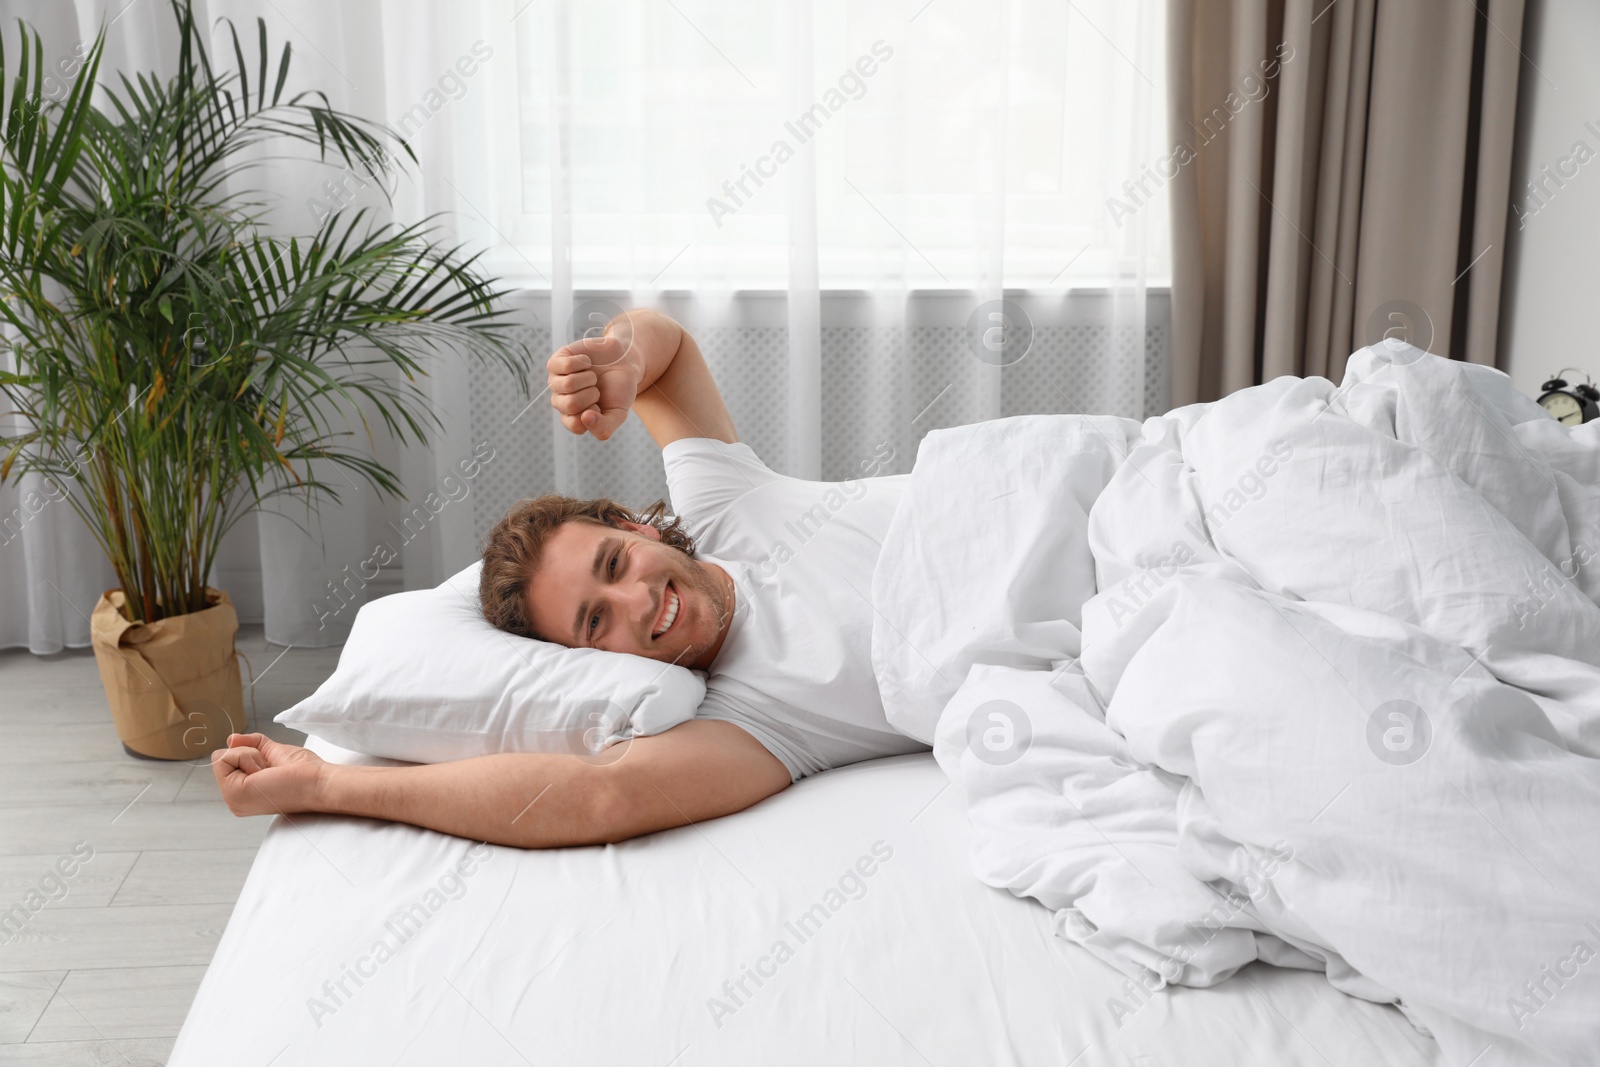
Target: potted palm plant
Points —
{"points": [[173, 365]]}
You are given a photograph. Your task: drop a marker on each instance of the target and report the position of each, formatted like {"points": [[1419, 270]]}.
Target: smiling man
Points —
{"points": [[760, 580], [590, 574]]}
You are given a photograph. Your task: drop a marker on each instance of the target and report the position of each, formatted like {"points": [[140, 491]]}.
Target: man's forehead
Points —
{"points": [[568, 554], [581, 532]]}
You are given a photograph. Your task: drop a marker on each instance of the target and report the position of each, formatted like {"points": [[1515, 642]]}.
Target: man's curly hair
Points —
{"points": [[512, 549]]}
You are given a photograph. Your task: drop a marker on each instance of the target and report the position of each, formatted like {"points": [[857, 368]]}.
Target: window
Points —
{"points": [[937, 145]]}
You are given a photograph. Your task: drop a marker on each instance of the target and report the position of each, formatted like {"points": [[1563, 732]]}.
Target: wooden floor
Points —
{"points": [[105, 971]]}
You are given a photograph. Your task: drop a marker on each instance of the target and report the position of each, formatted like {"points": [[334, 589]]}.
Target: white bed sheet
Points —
{"points": [[615, 955]]}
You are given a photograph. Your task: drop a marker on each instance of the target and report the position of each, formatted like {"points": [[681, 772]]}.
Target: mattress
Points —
{"points": [[836, 922]]}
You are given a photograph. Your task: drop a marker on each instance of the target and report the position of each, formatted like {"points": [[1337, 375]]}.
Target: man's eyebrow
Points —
{"points": [[594, 570]]}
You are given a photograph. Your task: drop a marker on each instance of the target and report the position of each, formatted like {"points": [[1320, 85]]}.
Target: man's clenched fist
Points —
{"points": [[593, 383], [260, 776]]}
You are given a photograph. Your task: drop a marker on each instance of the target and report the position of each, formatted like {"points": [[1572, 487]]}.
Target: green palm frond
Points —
{"points": [[174, 361]]}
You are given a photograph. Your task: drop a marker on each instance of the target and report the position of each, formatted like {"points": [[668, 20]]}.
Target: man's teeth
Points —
{"points": [[671, 615]]}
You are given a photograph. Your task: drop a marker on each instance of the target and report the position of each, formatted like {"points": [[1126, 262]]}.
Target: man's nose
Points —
{"points": [[636, 603]]}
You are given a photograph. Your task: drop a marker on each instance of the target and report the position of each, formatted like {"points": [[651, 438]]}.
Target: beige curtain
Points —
{"points": [[1341, 172]]}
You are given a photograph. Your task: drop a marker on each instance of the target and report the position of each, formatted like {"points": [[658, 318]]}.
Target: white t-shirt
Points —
{"points": [[796, 667]]}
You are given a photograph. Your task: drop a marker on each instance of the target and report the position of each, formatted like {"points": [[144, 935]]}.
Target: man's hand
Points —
{"points": [[647, 362], [593, 384], [260, 776]]}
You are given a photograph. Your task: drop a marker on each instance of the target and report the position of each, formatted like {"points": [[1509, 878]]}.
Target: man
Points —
{"points": [[769, 595]]}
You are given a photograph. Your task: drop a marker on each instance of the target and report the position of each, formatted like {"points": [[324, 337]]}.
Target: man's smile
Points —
{"points": [[670, 604]]}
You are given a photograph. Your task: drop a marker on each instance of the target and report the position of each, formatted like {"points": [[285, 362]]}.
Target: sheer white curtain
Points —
{"points": [[879, 219]]}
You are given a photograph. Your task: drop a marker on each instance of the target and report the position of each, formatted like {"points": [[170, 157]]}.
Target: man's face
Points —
{"points": [[624, 591]]}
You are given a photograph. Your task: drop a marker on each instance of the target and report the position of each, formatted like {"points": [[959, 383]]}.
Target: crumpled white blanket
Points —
{"points": [[1309, 675]]}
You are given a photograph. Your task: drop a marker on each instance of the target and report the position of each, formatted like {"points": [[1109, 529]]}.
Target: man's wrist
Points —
{"points": [[634, 360], [327, 792], [622, 330], [650, 342]]}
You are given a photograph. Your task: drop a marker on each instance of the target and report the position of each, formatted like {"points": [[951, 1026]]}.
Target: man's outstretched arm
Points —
{"points": [[698, 770], [645, 362]]}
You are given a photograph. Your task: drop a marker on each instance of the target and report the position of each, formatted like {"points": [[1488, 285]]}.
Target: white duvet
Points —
{"points": [[1309, 675]]}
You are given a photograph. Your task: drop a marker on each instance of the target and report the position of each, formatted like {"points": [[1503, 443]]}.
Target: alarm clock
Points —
{"points": [[1570, 405]]}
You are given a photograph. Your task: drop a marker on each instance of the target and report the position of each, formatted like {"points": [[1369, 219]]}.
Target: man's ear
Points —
{"points": [[643, 530]]}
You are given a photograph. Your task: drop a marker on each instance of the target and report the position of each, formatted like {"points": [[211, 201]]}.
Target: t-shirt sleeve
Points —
{"points": [[781, 739], [705, 476]]}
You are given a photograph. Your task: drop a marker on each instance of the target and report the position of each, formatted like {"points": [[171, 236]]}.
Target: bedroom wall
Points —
{"points": [[1551, 302]]}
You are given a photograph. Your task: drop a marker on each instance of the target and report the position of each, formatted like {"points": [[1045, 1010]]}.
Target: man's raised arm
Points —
{"points": [[647, 362], [698, 770]]}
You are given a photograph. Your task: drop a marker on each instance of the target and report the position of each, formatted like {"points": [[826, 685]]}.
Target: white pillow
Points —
{"points": [[425, 678]]}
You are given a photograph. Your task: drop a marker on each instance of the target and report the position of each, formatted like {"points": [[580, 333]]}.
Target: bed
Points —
{"points": [[836, 922]]}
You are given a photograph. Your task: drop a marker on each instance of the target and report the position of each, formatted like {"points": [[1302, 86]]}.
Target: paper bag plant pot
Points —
{"points": [[173, 684], [173, 361]]}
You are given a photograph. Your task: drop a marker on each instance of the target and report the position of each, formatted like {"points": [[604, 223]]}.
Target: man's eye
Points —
{"points": [[612, 566], [594, 622]]}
